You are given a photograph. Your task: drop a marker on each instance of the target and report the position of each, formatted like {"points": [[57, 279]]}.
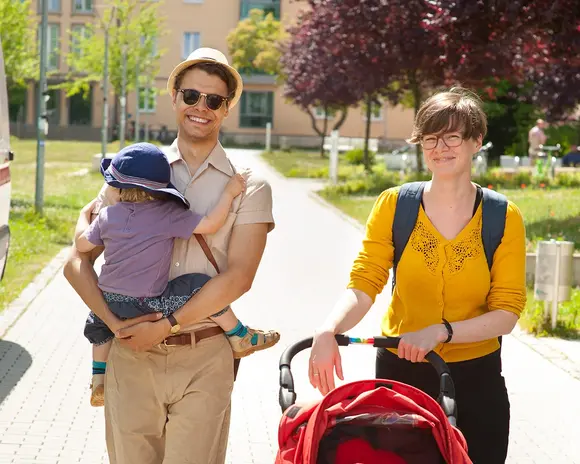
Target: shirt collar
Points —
{"points": [[217, 158]]}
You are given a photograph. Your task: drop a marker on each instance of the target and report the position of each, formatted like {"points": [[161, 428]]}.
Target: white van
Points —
{"points": [[5, 157]]}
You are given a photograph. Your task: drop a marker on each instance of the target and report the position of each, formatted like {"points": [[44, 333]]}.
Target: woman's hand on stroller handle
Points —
{"points": [[414, 346], [324, 361]]}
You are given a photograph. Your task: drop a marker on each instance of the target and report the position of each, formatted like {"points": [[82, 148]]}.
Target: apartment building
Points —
{"points": [[192, 24]]}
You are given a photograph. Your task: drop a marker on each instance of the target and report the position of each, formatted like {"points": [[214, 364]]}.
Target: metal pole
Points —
{"points": [[333, 168], [268, 137], [149, 86], [555, 294], [137, 100], [105, 125], [123, 100], [41, 119]]}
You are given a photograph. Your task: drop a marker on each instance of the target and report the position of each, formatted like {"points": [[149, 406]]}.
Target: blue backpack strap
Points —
{"points": [[494, 210], [406, 212]]}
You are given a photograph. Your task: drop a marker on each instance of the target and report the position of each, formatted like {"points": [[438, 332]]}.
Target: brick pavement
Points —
{"points": [[45, 360]]}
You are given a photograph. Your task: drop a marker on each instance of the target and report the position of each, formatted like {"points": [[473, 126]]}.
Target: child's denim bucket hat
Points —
{"points": [[143, 166]]}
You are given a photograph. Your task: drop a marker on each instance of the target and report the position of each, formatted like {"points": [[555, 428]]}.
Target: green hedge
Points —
{"points": [[380, 180]]}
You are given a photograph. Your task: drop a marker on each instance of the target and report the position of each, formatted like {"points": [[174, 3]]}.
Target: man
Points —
{"points": [[167, 398], [536, 137]]}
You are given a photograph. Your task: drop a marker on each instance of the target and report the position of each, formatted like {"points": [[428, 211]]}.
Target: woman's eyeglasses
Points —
{"points": [[213, 102], [451, 140]]}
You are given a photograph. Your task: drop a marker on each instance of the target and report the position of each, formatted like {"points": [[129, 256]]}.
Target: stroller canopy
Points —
{"points": [[370, 422]]}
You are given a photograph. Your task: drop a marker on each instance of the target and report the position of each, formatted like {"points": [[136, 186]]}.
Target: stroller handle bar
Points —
{"points": [[287, 394]]}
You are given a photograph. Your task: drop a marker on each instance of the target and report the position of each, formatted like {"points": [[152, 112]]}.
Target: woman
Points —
{"points": [[445, 298]]}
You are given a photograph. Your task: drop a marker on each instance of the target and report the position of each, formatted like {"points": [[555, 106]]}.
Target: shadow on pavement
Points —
{"points": [[14, 362]]}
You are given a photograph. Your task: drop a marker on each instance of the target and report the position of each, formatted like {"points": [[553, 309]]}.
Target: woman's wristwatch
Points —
{"points": [[449, 330]]}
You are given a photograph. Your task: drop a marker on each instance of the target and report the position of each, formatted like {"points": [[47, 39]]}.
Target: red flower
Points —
{"points": [[490, 186]]}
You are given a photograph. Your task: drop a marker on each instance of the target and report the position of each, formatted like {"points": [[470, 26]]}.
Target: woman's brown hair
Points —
{"points": [[456, 109]]}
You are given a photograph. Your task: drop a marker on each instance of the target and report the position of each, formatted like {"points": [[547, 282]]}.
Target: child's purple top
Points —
{"points": [[138, 240]]}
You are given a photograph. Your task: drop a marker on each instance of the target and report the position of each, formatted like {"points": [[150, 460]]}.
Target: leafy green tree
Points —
{"points": [[18, 35], [134, 28], [255, 44]]}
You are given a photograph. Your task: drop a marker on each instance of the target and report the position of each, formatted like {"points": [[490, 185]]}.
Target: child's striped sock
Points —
{"points": [[99, 367]]}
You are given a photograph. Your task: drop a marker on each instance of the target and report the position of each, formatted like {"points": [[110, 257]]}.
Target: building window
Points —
{"points": [[191, 42], [376, 112], [147, 100], [53, 6], [52, 45], [256, 109], [319, 113], [83, 6], [79, 32], [267, 6]]}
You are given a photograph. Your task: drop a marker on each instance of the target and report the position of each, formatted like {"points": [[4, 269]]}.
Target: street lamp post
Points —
{"points": [[105, 124], [105, 117], [137, 99], [123, 99], [41, 116]]}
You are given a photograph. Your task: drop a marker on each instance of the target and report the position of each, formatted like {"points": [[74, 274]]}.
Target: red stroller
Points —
{"points": [[370, 421]]}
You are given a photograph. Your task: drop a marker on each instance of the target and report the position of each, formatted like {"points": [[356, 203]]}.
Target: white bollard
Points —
{"points": [[333, 168], [553, 281], [268, 136]]}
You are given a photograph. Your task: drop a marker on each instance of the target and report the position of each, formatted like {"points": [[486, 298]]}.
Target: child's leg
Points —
{"points": [[243, 340], [100, 355], [226, 319]]}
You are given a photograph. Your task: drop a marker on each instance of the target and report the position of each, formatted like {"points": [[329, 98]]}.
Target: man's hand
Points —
{"points": [[88, 208], [145, 335], [119, 324]]}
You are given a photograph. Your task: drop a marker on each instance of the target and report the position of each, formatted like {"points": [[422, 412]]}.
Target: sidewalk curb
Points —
{"points": [[314, 195], [544, 347], [18, 307]]}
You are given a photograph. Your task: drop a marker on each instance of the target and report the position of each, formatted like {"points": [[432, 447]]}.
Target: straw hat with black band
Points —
{"points": [[208, 55]]}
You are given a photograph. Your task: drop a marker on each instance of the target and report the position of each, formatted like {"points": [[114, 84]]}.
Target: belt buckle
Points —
{"points": [[168, 344]]}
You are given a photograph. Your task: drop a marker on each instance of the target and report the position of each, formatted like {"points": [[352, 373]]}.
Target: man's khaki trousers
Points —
{"points": [[170, 405]]}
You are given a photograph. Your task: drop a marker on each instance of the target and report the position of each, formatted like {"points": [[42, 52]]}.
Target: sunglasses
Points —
{"points": [[212, 101]]}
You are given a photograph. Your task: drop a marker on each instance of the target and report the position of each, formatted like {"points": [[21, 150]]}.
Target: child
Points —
{"points": [[138, 234]]}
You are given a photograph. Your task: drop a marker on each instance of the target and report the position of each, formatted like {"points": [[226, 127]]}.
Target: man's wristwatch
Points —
{"points": [[175, 327]]}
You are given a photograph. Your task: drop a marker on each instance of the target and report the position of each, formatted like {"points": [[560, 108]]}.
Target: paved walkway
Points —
{"points": [[45, 361]]}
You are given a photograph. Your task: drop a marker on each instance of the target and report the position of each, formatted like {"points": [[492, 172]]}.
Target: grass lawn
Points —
{"points": [[568, 325], [297, 163], [68, 187], [308, 164], [547, 213]]}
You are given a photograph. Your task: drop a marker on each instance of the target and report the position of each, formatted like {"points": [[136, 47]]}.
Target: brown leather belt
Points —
{"points": [[191, 338]]}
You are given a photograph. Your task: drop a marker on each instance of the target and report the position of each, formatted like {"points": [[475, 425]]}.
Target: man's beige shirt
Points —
{"points": [[203, 190]]}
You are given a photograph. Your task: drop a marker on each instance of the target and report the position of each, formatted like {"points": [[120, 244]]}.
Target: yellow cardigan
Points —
{"points": [[439, 278]]}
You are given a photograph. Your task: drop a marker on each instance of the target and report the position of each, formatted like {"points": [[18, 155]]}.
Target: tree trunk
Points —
{"points": [[414, 84], [317, 130], [340, 122], [324, 131], [366, 159]]}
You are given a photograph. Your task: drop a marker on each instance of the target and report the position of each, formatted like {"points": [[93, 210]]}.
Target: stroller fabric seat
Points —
{"points": [[370, 422]]}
